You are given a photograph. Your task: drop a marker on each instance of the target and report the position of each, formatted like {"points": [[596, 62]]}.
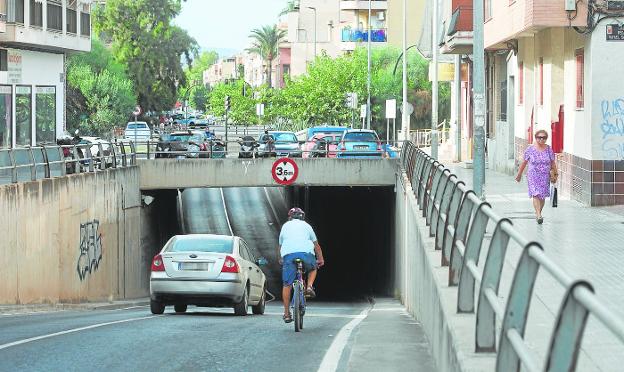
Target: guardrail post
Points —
{"points": [[445, 198], [133, 154], [33, 164], [437, 200], [113, 153], [461, 230], [485, 339], [46, 165], [62, 161], [517, 310], [88, 152], [13, 165], [565, 342], [465, 292], [451, 222], [148, 149], [76, 160], [102, 157], [423, 183], [124, 161], [432, 187]]}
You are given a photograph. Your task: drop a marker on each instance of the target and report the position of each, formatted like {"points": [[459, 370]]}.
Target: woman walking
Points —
{"points": [[541, 160]]}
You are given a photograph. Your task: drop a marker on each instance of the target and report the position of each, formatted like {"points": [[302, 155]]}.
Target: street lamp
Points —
{"points": [[314, 9], [368, 82]]}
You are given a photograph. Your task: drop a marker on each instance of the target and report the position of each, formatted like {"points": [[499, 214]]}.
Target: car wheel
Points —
{"points": [[157, 307], [180, 308], [241, 307], [259, 308]]}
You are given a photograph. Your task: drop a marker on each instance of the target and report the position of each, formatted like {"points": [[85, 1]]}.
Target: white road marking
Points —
{"points": [[27, 340], [227, 218], [332, 356], [402, 309]]}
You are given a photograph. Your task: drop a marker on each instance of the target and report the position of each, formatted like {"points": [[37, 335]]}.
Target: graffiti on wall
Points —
{"points": [[90, 249], [612, 128]]}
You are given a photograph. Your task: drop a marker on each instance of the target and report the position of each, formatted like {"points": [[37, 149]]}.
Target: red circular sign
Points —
{"points": [[285, 171]]}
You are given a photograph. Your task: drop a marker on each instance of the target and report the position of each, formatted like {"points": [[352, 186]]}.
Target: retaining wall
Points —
{"points": [[72, 239]]}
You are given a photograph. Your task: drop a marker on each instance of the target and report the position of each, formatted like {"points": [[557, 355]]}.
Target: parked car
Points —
{"points": [[207, 270], [324, 145], [278, 143], [313, 136], [182, 144], [359, 143], [137, 131], [191, 121]]}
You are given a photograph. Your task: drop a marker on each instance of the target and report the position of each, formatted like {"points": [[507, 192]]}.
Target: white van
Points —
{"points": [[137, 131]]}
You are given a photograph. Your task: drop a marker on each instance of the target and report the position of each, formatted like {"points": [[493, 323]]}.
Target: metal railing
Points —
{"points": [[32, 163], [458, 219]]}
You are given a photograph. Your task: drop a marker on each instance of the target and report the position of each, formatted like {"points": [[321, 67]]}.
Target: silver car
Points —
{"points": [[279, 143], [207, 270]]}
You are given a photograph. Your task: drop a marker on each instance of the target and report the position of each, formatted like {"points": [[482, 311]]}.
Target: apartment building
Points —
{"points": [[333, 27], [35, 37], [224, 69]]}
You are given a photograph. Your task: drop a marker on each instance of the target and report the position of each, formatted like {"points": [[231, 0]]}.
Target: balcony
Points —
{"points": [[363, 4], [458, 38]]}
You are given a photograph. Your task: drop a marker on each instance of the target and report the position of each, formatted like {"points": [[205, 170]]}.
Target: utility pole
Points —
{"points": [[368, 82], [405, 118], [478, 89], [434, 82], [314, 9], [457, 83]]}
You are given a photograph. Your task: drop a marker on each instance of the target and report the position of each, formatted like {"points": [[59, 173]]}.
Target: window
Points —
{"points": [[6, 115], [55, 15], [72, 19], [502, 100], [85, 24], [23, 115], [580, 76], [36, 13], [4, 60], [15, 11], [45, 114], [202, 244], [521, 83], [541, 81], [487, 11]]}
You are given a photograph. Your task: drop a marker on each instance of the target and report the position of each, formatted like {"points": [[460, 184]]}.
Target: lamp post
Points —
{"points": [[368, 81], [434, 81], [405, 126], [314, 9]]}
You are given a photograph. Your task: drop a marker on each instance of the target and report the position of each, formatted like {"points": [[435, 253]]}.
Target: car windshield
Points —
{"points": [[137, 126], [285, 137], [360, 137], [203, 244], [180, 137]]}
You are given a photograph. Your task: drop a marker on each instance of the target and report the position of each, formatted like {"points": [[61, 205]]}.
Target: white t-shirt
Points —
{"points": [[296, 236]]}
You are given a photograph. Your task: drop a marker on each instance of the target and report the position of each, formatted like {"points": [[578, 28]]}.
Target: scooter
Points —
{"points": [[218, 149], [248, 147], [69, 157]]}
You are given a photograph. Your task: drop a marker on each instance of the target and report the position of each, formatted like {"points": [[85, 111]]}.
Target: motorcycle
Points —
{"points": [[217, 149], [69, 156], [248, 147]]}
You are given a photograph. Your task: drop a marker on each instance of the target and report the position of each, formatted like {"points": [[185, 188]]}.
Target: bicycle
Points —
{"points": [[297, 302]]}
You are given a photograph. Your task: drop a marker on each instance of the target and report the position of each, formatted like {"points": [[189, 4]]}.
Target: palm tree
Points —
{"points": [[265, 44]]}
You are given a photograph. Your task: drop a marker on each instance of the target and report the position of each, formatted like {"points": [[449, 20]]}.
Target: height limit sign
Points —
{"points": [[285, 171]]}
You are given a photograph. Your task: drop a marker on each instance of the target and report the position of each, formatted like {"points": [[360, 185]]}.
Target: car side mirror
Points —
{"points": [[262, 261]]}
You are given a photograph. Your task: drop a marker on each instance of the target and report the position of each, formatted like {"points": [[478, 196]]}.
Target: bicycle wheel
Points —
{"points": [[297, 306]]}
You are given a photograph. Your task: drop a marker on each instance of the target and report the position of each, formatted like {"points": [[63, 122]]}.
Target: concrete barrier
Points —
{"points": [[421, 285], [72, 239], [184, 173]]}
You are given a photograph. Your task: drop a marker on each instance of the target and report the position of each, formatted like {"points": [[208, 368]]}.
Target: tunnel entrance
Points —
{"points": [[354, 226]]}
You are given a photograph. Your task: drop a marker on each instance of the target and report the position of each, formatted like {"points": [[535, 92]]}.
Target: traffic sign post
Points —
{"points": [[136, 113], [390, 114], [285, 171]]}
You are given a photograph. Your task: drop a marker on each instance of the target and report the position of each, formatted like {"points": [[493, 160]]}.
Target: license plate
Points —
{"points": [[194, 266], [360, 147]]}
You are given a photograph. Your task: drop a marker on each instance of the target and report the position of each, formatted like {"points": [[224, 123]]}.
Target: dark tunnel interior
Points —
{"points": [[354, 226]]}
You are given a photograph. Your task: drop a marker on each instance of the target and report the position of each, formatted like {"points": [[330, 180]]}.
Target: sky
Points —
{"points": [[225, 25]]}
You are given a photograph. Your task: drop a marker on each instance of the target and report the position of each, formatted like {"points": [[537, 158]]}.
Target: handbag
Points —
{"points": [[553, 195]]}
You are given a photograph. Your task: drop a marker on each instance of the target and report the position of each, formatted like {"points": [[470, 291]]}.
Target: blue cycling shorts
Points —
{"points": [[289, 267]]}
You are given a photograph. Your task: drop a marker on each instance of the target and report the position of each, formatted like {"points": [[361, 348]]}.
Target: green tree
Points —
{"points": [[242, 108], [99, 93], [291, 6], [265, 43], [198, 95], [145, 40]]}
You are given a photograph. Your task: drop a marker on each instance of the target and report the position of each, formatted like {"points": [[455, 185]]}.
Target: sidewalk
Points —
{"points": [[35, 308], [587, 242], [389, 339]]}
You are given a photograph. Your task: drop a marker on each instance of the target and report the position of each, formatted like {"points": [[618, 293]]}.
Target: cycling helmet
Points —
{"points": [[297, 213]]}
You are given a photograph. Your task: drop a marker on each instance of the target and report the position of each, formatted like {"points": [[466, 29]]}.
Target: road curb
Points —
{"points": [[34, 308]]}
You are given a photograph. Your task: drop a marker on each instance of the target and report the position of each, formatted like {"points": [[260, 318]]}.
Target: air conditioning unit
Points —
{"points": [[570, 5], [381, 16]]}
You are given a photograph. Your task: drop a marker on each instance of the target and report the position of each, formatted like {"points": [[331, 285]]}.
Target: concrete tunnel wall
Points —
{"points": [[72, 239]]}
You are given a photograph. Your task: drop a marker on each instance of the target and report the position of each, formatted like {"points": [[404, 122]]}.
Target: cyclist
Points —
{"points": [[297, 240]]}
